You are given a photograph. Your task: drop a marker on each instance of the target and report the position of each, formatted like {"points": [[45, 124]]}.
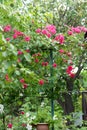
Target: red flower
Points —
{"points": [[36, 60], [70, 32], [72, 75], [41, 82], [38, 54], [27, 50], [27, 38], [7, 28], [48, 35], [8, 39], [22, 112], [54, 65], [25, 85], [69, 53], [15, 36], [44, 63], [20, 52], [7, 78], [61, 51], [51, 28], [44, 32], [76, 30], [24, 125], [69, 69], [19, 60], [59, 38], [38, 30], [9, 125], [22, 81]]}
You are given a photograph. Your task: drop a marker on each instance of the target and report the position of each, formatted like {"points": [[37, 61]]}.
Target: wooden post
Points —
{"points": [[84, 105]]}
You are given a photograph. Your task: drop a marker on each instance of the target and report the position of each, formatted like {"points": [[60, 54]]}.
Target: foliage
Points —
{"points": [[27, 39]]}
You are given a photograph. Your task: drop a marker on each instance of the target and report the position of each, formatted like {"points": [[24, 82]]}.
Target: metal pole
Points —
{"points": [[51, 74]]}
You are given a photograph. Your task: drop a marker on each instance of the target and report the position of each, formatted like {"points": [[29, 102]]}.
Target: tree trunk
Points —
{"points": [[67, 103]]}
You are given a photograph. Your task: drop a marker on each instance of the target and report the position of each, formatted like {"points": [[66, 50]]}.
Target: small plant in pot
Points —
{"points": [[43, 118]]}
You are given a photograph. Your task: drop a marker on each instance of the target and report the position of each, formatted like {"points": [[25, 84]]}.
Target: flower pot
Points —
{"points": [[42, 126]]}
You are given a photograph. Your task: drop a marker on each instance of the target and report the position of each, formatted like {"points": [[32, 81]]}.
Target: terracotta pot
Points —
{"points": [[42, 126]]}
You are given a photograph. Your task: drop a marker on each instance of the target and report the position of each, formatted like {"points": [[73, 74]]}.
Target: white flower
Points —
{"points": [[29, 127], [21, 94], [42, 104], [1, 108], [75, 70], [55, 117], [32, 118], [27, 114]]}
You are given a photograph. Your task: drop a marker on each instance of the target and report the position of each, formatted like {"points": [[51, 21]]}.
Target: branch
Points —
{"points": [[80, 66]]}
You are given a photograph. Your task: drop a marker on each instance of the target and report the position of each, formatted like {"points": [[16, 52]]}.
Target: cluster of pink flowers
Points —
{"points": [[51, 29], [68, 53], [69, 71], [36, 60], [21, 53], [16, 34], [48, 31], [59, 38], [7, 28], [77, 29], [44, 63], [36, 54], [23, 83]]}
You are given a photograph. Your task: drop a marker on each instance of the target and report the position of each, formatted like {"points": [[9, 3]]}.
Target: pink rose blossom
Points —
{"points": [[70, 32], [7, 28], [51, 29], [20, 52], [72, 75], [44, 32], [9, 125], [54, 65], [36, 60], [44, 63], [48, 35], [15, 36], [19, 60], [69, 69], [59, 38], [22, 80], [8, 39], [38, 30], [61, 51], [22, 112], [76, 29], [27, 38], [69, 54], [27, 50], [25, 85], [41, 82]]}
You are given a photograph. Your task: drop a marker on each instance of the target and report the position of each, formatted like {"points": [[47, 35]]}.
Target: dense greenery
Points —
{"points": [[42, 53]]}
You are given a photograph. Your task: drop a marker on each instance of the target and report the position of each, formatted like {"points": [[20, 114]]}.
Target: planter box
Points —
{"points": [[42, 126]]}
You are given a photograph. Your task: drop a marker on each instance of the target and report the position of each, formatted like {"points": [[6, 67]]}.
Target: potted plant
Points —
{"points": [[43, 118]]}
